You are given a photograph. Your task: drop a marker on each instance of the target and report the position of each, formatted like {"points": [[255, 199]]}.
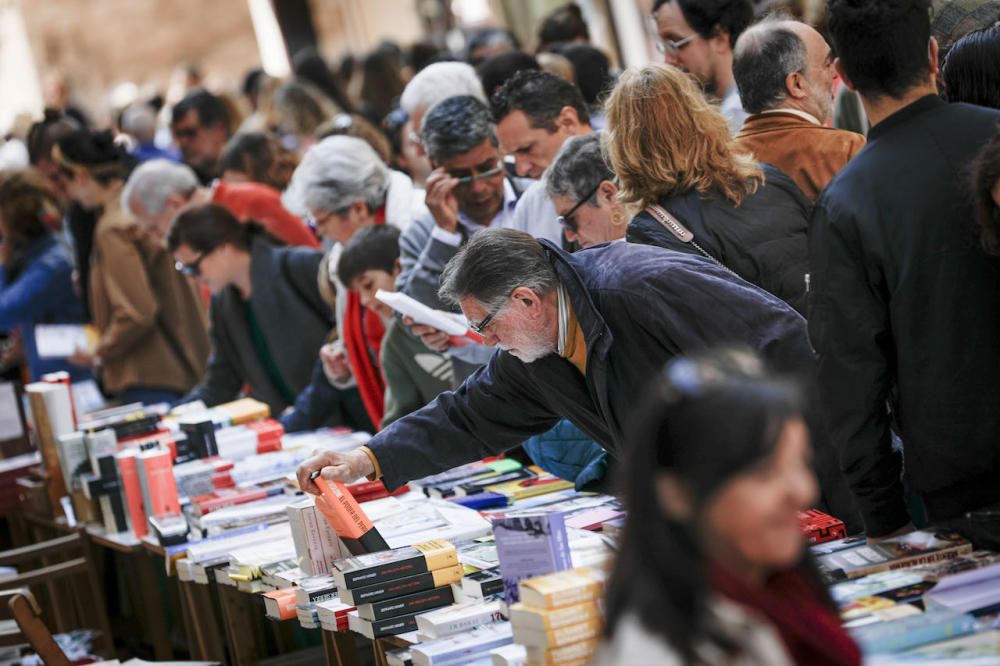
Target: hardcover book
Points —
{"points": [[402, 586], [909, 550], [386, 565], [530, 545]]}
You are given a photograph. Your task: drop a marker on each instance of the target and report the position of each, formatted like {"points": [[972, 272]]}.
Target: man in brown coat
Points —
{"points": [[784, 71]]}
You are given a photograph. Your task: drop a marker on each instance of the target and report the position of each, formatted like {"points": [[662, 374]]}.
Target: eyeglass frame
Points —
{"points": [[567, 220], [673, 47], [495, 171], [192, 270], [481, 327]]}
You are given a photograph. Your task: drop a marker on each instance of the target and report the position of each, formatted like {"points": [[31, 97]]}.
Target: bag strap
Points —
{"points": [[682, 233]]}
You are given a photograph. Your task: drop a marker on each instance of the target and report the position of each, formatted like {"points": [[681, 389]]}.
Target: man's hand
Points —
{"points": [[432, 338], [335, 364], [441, 201], [905, 529], [347, 467]]}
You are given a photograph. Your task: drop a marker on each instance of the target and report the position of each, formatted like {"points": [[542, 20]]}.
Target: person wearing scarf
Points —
{"points": [[713, 566]]}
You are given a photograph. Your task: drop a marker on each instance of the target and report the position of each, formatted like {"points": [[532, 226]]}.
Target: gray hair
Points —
{"points": [[455, 126], [139, 121], [437, 82], [764, 56], [578, 168], [493, 264], [335, 173], [155, 181]]}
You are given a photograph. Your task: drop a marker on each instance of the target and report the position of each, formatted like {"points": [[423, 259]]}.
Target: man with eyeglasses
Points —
{"points": [[698, 37], [469, 190], [579, 336], [200, 127]]}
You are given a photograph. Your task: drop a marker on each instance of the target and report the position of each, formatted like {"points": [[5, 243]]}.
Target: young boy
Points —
{"points": [[414, 375]]}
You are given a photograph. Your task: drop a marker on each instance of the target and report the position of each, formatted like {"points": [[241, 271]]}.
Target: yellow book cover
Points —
{"points": [[568, 655], [541, 619], [562, 636], [563, 588]]}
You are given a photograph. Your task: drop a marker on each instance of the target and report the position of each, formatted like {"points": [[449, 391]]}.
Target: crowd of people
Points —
{"points": [[757, 277]]}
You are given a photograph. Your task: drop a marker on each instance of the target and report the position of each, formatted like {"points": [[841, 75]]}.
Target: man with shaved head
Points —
{"points": [[785, 75]]}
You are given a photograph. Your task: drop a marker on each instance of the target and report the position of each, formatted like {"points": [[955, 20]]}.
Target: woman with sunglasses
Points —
{"points": [[152, 324], [713, 566], [582, 189], [675, 161], [36, 270]]}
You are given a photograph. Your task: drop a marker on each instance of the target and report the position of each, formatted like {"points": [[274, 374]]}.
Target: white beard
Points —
{"points": [[532, 354]]}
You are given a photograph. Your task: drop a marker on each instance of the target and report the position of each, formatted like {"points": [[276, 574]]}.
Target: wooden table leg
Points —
{"points": [[239, 622], [207, 637], [345, 647], [151, 605]]}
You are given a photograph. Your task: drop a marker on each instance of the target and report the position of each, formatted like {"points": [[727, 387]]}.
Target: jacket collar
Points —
{"points": [[922, 105], [595, 329]]}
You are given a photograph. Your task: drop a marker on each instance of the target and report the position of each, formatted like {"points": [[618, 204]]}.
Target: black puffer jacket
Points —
{"points": [[763, 240]]}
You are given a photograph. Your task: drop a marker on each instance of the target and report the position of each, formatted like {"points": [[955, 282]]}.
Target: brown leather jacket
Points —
{"points": [[153, 323], [810, 154]]}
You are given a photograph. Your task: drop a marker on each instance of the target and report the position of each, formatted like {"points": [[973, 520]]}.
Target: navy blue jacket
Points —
{"points": [[42, 293], [638, 306]]}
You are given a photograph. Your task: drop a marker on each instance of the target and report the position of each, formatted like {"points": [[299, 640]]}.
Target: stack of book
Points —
{"points": [[559, 617], [333, 614], [310, 592], [468, 647], [280, 604], [391, 588]]}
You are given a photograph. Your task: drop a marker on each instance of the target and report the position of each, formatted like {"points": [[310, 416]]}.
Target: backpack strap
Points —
{"points": [[682, 233]]}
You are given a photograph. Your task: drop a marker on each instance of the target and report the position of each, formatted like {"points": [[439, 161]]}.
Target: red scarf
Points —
{"points": [[363, 332], [810, 630]]}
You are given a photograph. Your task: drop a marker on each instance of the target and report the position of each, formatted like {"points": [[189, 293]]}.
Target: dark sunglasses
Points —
{"points": [[567, 220]]}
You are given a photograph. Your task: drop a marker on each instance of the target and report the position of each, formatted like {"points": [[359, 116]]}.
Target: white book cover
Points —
{"points": [[463, 647], [458, 618]]}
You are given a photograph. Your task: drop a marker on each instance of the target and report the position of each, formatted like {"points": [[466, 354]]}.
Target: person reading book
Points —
{"points": [[578, 334], [713, 565], [411, 374]]}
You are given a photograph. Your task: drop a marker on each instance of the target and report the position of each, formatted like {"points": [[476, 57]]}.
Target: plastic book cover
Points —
{"points": [[528, 546], [915, 548]]}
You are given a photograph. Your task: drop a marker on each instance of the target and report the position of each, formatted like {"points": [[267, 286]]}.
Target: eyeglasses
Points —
{"points": [[465, 180], [567, 219], [673, 47], [194, 268], [480, 328], [315, 222]]}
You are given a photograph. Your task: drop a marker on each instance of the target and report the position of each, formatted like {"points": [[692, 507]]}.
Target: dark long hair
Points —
{"points": [[28, 210], [971, 71], [707, 420], [206, 227]]}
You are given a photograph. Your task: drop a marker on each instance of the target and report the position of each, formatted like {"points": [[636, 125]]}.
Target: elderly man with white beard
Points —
{"points": [[578, 335]]}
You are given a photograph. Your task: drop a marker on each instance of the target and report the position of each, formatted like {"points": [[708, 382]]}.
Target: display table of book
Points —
{"points": [[490, 563]]}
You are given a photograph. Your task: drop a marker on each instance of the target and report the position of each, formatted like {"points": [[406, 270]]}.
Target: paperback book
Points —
{"points": [[530, 545], [909, 550]]}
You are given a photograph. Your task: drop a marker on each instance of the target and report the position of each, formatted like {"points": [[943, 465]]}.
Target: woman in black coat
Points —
{"points": [[671, 151]]}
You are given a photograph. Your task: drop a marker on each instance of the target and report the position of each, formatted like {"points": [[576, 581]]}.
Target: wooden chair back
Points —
{"points": [[27, 614]]}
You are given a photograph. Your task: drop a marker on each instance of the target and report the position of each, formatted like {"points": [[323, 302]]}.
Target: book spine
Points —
{"points": [[162, 486], [333, 550], [402, 586], [391, 570], [317, 562], [132, 492]]}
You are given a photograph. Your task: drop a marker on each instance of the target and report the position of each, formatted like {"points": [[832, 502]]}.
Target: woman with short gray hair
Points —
{"points": [[581, 186]]}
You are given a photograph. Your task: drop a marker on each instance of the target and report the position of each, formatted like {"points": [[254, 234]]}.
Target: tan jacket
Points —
{"points": [[153, 323], [810, 154]]}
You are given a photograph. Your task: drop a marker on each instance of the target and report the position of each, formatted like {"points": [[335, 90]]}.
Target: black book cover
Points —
{"points": [[406, 605], [369, 542], [401, 586], [394, 625]]}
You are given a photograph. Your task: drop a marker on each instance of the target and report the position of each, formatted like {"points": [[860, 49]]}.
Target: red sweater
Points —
{"points": [[260, 203]]}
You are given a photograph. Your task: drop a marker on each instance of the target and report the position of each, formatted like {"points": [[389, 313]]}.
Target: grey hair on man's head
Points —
{"points": [[765, 55], [455, 126], [139, 121], [155, 181], [439, 81], [578, 168], [493, 264], [335, 173]]}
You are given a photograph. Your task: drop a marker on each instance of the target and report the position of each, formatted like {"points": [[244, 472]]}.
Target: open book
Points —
{"points": [[454, 325]]}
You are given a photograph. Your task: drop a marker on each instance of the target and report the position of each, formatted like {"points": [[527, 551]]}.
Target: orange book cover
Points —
{"points": [[128, 470], [347, 518]]}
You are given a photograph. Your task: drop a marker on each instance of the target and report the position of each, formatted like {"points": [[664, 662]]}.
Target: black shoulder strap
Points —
{"points": [[682, 233]]}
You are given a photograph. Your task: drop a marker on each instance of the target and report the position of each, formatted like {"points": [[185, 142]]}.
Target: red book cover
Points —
{"points": [[820, 527], [348, 519], [223, 498], [269, 434], [160, 483], [128, 469]]}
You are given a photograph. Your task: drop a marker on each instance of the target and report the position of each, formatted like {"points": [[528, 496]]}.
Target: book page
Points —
{"points": [[60, 340], [420, 313]]}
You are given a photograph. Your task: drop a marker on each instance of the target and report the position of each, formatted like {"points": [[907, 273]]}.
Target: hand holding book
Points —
{"points": [[347, 467]]}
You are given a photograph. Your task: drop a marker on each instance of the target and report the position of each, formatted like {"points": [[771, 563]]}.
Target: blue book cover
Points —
{"points": [[530, 545], [912, 631]]}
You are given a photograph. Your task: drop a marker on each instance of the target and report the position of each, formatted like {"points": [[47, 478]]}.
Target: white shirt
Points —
{"points": [[536, 214], [732, 108]]}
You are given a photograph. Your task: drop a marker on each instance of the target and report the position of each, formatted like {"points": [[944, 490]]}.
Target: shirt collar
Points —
{"points": [[795, 112], [507, 208]]}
